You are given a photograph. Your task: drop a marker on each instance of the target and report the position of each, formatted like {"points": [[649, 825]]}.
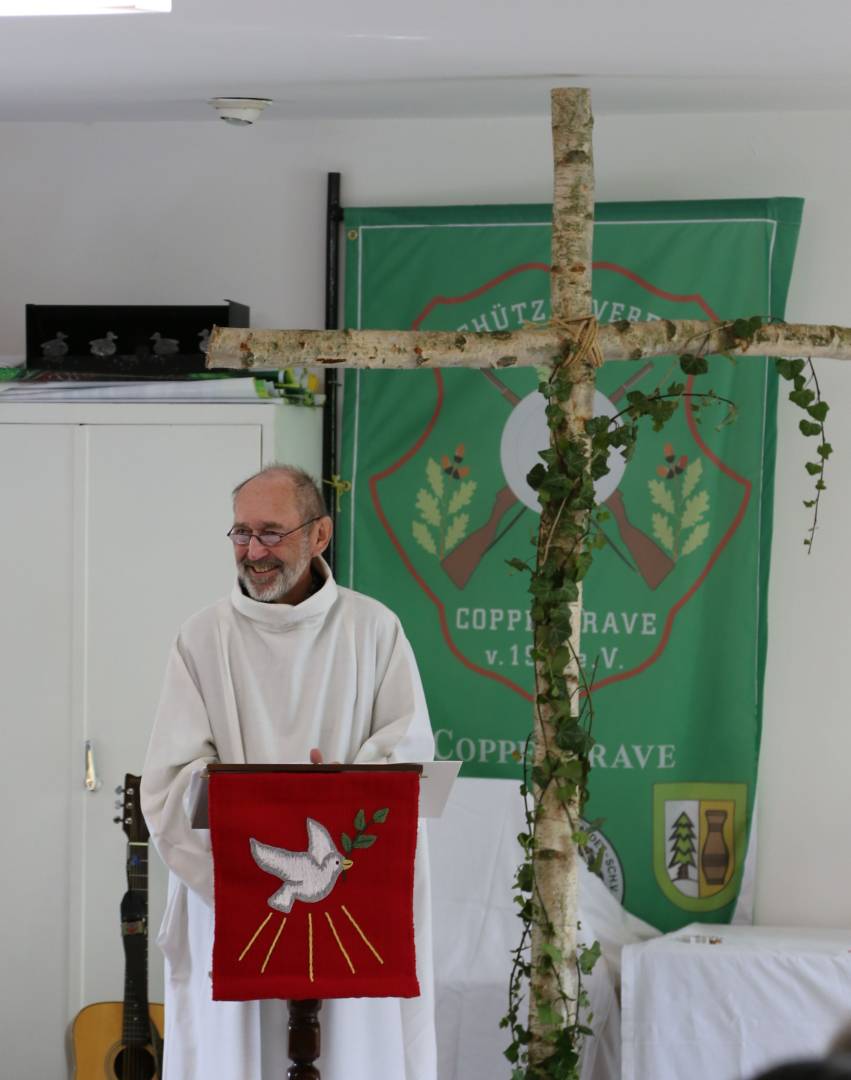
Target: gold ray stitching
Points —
{"points": [[274, 943], [366, 940], [339, 943], [310, 944], [256, 935]]}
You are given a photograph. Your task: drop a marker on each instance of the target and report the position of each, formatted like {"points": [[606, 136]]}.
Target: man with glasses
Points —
{"points": [[290, 667]]}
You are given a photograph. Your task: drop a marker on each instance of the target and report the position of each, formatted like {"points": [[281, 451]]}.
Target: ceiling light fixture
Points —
{"points": [[240, 111], [83, 7]]}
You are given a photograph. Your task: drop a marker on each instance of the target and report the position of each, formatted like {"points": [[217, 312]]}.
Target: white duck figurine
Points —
{"points": [[104, 346], [164, 346], [56, 347], [307, 875]]}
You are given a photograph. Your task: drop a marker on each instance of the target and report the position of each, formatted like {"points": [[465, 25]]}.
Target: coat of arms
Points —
{"points": [[699, 842]]}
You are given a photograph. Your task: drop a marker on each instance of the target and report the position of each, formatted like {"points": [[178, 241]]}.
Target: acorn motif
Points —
{"points": [[454, 468]]}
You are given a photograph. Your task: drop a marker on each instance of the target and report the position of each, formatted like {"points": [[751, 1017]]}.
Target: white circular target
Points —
{"points": [[526, 433]]}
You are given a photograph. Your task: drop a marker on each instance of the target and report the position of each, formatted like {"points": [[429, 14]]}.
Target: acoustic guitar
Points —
{"points": [[122, 1040]]}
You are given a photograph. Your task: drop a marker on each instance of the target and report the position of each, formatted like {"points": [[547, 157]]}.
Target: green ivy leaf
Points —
{"points": [[596, 864], [814, 468], [819, 411], [693, 365], [802, 398], [536, 477], [547, 1015], [553, 952], [588, 958], [807, 427], [788, 368], [745, 329]]}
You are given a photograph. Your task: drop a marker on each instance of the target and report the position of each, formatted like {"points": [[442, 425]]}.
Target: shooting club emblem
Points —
{"points": [[457, 505], [699, 842]]}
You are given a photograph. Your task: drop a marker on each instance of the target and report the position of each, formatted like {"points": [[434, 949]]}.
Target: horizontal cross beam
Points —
{"points": [[265, 350]]}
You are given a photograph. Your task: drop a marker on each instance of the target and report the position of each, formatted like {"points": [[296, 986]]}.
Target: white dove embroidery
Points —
{"points": [[307, 875]]}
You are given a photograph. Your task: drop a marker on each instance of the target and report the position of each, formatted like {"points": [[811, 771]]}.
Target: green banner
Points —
{"points": [[674, 606]]}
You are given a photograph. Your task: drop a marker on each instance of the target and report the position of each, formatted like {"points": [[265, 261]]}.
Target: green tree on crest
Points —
{"points": [[682, 846]]}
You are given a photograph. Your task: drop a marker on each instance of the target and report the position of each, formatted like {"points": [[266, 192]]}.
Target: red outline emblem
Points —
{"points": [[376, 479]]}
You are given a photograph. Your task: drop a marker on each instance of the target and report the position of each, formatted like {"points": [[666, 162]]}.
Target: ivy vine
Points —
{"points": [[806, 394], [564, 482]]}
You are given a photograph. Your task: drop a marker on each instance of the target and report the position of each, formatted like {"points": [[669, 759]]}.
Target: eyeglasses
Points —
{"points": [[242, 537]]}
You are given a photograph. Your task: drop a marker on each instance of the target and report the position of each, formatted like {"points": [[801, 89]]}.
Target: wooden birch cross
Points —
{"points": [[573, 345]]}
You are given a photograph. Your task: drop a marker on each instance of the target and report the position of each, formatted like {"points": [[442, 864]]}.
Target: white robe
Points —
{"points": [[249, 682]]}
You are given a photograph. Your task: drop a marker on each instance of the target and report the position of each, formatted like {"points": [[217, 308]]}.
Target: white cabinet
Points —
{"points": [[113, 532]]}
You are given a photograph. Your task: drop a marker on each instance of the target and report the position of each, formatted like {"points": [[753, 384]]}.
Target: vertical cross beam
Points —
{"points": [[554, 856]]}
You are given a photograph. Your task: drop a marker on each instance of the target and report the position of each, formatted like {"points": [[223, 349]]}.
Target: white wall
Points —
{"points": [[159, 213]]}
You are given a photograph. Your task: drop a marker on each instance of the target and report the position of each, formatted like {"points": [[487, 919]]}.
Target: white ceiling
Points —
{"points": [[362, 58]]}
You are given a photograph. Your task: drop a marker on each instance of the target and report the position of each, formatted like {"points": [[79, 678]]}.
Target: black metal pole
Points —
{"points": [[330, 452]]}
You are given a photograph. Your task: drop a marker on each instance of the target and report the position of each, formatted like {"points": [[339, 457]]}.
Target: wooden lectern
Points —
{"points": [[324, 853]]}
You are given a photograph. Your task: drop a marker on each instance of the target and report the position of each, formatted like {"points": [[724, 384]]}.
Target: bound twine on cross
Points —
{"points": [[584, 341], [584, 344]]}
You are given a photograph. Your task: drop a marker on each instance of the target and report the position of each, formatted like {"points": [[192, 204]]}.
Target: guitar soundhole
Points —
{"points": [[134, 1063]]}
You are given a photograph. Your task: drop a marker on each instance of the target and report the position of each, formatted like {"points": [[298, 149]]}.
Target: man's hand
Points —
{"points": [[316, 758]]}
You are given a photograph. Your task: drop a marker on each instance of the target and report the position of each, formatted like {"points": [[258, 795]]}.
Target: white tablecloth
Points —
{"points": [[763, 995], [474, 853]]}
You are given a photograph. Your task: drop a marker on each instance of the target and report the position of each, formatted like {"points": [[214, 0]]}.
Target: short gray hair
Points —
{"points": [[308, 493]]}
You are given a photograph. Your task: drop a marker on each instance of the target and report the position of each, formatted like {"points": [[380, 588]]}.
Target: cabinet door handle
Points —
{"points": [[92, 779]]}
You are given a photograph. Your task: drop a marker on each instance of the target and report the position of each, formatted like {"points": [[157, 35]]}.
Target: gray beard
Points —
{"points": [[285, 578]]}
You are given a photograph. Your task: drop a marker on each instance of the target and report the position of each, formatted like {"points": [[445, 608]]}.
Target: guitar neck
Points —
{"points": [[134, 935]]}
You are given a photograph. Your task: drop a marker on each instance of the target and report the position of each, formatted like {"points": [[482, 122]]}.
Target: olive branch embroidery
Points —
{"points": [[362, 838]]}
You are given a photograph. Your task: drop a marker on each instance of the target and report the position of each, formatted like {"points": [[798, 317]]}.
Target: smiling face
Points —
{"points": [[280, 573]]}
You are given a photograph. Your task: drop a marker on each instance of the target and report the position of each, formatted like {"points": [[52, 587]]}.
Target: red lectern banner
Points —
{"points": [[313, 876]]}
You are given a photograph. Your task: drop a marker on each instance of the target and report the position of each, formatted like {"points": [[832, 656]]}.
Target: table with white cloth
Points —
{"points": [[474, 854], [726, 1002]]}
